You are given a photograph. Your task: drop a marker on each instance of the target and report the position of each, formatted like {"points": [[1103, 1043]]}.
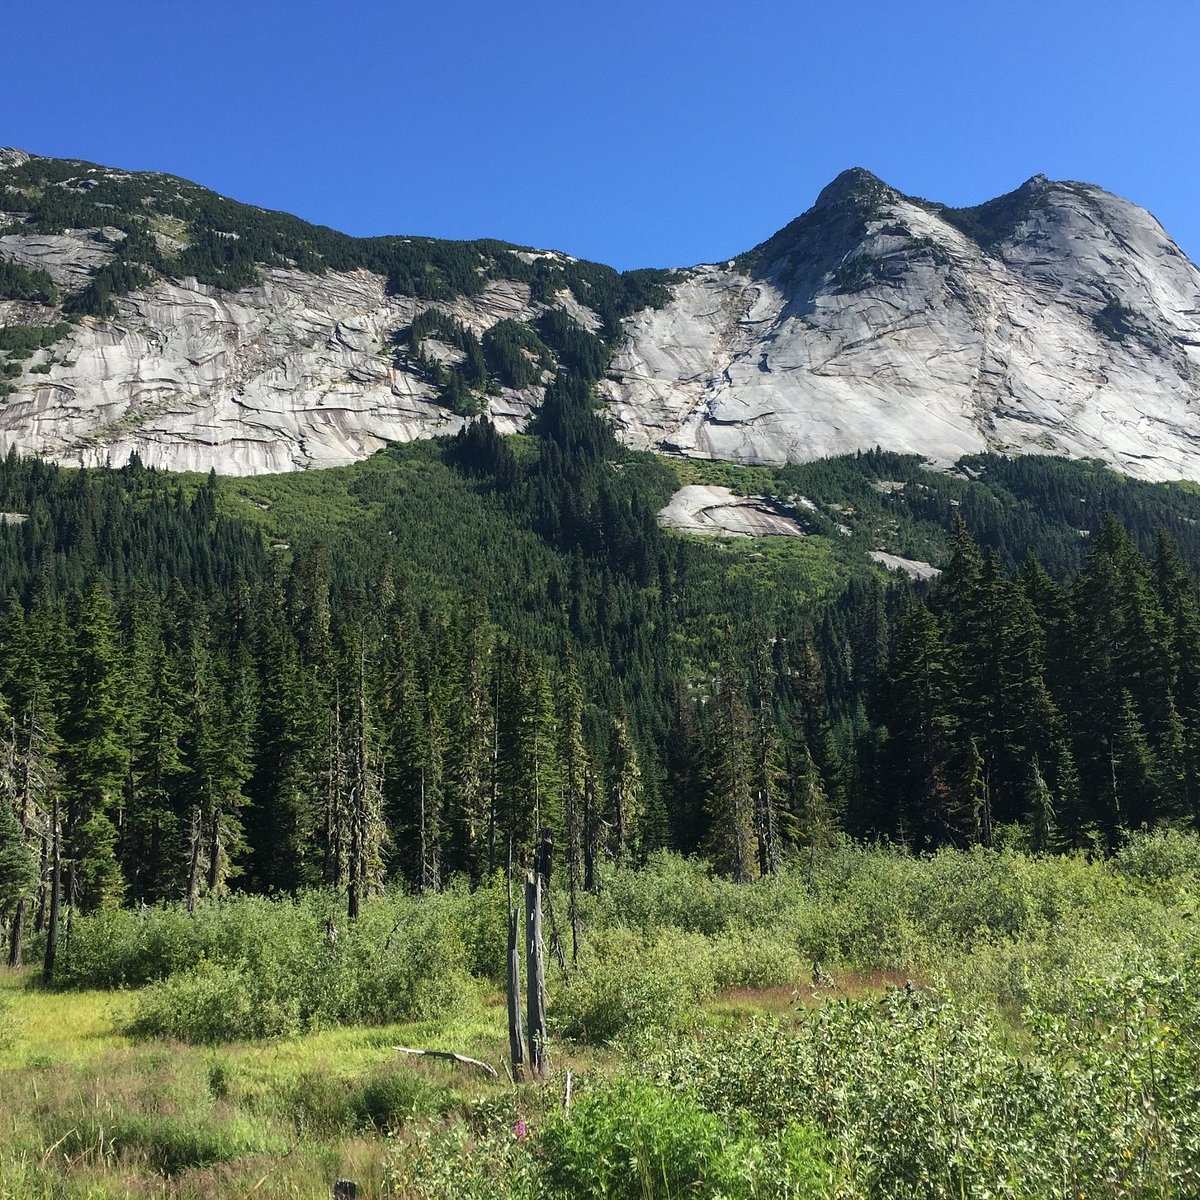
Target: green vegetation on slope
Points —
{"points": [[404, 634], [225, 243]]}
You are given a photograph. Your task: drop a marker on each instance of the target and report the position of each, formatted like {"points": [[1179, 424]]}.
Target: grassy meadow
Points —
{"points": [[999, 1024]]}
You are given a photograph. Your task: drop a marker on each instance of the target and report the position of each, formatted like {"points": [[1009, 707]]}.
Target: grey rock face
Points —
{"points": [[1058, 319], [717, 512], [291, 374], [1074, 329]]}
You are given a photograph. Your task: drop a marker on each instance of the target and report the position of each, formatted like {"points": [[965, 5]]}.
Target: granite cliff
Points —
{"points": [[1057, 319]]}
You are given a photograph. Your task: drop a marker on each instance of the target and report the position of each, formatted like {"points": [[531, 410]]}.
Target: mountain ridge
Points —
{"points": [[1057, 318]]}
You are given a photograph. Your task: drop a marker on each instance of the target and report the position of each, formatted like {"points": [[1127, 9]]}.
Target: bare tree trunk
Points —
{"points": [[516, 1040], [494, 799], [535, 975], [16, 934], [193, 877], [590, 825], [574, 849], [214, 856], [352, 894], [423, 840], [55, 890]]}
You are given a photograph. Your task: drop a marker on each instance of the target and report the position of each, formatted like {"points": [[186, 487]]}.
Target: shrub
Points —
{"points": [[751, 958], [920, 1096], [1161, 858], [210, 1003], [629, 1139], [632, 986]]}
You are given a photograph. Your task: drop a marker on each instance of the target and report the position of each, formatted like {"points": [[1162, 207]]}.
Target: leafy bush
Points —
{"points": [[210, 1004], [629, 1139], [751, 958], [633, 986], [455, 1162], [923, 1097], [1166, 858], [252, 967]]}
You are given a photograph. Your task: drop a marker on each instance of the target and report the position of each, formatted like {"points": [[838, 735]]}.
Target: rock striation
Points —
{"points": [[719, 512]]}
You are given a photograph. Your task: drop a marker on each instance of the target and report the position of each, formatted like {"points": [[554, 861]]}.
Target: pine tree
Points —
{"points": [[975, 795], [530, 798], [815, 824], [1042, 820], [573, 759], [730, 801], [286, 762], [18, 864], [470, 739], [94, 758], [1077, 830], [686, 782], [1135, 789], [919, 714], [368, 833], [626, 774]]}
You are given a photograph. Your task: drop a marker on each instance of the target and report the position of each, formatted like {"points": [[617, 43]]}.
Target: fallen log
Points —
{"points": [[459, 1058]]}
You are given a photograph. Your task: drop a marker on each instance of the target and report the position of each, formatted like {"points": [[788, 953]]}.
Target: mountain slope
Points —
{"points": [[1057, 319], [207, 333]]}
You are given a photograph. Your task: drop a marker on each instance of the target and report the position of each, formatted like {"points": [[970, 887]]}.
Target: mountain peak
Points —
{"points": [[856, 185], [11, 156]]}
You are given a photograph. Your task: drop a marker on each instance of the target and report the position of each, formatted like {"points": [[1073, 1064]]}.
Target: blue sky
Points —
{"points": [[649, 133]]}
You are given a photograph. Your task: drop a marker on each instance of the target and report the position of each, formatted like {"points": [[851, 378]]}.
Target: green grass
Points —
{"points": [[87, 1112]]}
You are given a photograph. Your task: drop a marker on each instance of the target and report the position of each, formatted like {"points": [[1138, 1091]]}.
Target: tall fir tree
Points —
{"points": [[94, 757]]}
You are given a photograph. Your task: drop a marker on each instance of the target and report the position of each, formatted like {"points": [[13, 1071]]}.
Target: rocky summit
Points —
{"points": [[1059, 319], [145, 314]]}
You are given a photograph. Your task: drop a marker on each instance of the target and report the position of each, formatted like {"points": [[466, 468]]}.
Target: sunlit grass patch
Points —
{"points": [[57, 1026]]}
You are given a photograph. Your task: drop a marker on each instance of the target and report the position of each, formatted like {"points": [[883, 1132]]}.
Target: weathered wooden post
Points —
{"points": [[516, 1040], [535, 974]]}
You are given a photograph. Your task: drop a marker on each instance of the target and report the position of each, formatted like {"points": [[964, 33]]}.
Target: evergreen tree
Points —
{"points": [[1042, 820], [530, 798], [732, 840], [573, 760], [94, 758], [627, 792], [368, 833], [919, 714], [470, 739], [1076, 826], [18, 864]]}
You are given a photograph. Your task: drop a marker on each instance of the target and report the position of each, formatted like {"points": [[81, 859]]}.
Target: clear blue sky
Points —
{"points": [[647, 133]]}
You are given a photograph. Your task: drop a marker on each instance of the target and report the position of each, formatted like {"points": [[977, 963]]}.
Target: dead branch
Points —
{"points": [[459, 1058]]}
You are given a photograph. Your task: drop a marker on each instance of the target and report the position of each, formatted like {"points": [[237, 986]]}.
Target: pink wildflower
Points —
{"points": [[520, 1131]]}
